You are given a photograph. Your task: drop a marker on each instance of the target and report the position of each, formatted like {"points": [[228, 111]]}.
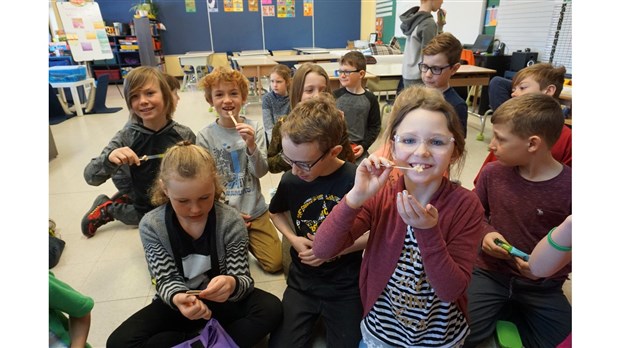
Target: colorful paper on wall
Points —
{"points": [[266, 2], [253, 5], [490, 19], [190, 6], [212, 5], [233, 5], [286, 8], [308, 8], [269, 11]]}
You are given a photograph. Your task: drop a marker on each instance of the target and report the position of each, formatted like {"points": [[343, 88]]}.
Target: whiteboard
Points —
{"points": [[464, 18], [85, 31]]}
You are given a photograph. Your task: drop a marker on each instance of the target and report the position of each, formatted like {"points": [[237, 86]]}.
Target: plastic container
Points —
{"points": [[507, 335], [115, 74], [67, 73]]}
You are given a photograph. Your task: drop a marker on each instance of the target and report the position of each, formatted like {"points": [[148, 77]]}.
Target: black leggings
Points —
{"points": [[158, 325]]}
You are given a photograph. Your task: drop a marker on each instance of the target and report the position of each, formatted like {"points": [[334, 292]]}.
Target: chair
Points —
{"points": [[58, 110], [387, 107], [96, 99]]}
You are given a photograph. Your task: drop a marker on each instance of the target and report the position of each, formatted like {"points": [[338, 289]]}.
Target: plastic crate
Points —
{"points": [[70, 73], [115, 74]]}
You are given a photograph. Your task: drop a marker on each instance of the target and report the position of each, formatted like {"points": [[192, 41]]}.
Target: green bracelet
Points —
{"points": [[555, 245]]}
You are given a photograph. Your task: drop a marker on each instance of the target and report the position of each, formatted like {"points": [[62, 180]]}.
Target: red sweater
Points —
{"points": [[562, 151], [448, 249]]}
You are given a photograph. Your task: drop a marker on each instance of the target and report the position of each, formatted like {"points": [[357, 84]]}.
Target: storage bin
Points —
{"points": [[115, 74], [64, 73]]}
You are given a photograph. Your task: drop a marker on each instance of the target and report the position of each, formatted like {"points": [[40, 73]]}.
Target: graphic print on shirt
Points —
{"points": [[311, 214], [229, 166]]}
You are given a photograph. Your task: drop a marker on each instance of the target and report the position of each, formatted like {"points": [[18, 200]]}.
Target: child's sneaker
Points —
{"points": [[121, 198], [97, 216]]}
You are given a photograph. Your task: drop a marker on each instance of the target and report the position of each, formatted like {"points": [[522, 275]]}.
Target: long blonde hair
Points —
{"points": [[185, 160]]}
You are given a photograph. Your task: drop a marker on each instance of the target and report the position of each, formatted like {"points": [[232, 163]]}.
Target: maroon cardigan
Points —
{"points": [[448, 249]]}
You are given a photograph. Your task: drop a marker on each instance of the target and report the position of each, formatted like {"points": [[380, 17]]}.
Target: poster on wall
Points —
{"points": [[253, 5], [286, 8], [308, 8], [190, 6], [490, 19], [269, 11], [85, 30], [233, 5], [212, 5]]}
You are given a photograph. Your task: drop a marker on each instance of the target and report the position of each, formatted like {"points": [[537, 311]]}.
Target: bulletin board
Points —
{"points": [[85, 31]]}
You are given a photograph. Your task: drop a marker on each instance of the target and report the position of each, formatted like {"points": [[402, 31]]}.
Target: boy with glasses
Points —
{"points": [[360, 106], [306, 194], [440, 60]]}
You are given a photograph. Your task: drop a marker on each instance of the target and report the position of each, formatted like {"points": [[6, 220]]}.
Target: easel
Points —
{"points": [[87, 38]]}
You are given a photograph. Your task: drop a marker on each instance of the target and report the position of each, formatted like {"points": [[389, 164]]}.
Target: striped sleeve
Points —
{"points": [[234, 244]]}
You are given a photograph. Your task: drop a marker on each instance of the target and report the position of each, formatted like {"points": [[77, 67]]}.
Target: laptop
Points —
{"points": [[483, 44]]}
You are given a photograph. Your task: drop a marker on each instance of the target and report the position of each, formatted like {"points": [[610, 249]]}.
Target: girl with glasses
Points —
{"points": [[424, 229]]}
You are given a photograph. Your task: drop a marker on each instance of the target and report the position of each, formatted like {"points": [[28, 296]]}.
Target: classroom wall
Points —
{"points": [[335, 22]]}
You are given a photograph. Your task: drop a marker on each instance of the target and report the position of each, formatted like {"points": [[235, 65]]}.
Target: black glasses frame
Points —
{"points": [[302, 165], [435, 70], [347, 72]]}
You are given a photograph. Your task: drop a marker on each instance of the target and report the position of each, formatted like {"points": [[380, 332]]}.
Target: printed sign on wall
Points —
{"points": [[286, 8]]}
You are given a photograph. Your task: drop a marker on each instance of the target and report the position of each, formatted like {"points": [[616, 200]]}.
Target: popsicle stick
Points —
{"points": [[193, 292], [418, 169], [232, 118]]}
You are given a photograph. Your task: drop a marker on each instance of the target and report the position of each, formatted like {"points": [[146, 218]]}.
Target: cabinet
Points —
{"points": [[130, 51]]}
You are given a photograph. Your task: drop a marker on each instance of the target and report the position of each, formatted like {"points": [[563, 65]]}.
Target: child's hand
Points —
{"points": [[524, 268], [191, 307], [370, 176], [358, 150], [247, 219], [490, 248], [301, 244], [413, 213], [307, 257], [219, 289], [247, 133], [124, 155]]}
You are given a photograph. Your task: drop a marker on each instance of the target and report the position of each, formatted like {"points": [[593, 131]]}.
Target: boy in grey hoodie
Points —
{"points": [[420, 27]]}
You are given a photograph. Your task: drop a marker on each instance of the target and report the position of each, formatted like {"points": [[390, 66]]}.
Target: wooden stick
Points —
{"points": [[417, 168], [230, 114], [193, 292]]}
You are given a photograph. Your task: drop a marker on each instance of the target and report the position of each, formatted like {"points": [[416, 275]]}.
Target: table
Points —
{"points": [[310, 50], [254, 53], [193, 59], [298, 58], [86, 83], [255, 67]]}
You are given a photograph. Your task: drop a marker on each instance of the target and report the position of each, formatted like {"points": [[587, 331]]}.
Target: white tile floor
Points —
{"points": [[110, 267]]}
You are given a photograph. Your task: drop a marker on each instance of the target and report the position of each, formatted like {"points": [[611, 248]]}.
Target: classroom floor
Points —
{"points": [[110, 267]]}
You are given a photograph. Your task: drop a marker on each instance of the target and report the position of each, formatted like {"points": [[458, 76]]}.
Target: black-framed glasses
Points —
{"points": [[346, 72], [305, 166], [436, 70]]}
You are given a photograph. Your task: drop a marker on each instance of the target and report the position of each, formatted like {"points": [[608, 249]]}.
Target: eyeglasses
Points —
{"points": [[346, 72], [436, 70], [302, 165], [410, 143]]}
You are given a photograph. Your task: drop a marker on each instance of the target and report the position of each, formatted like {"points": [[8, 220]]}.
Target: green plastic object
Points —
{"points": [[507, 335]]}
